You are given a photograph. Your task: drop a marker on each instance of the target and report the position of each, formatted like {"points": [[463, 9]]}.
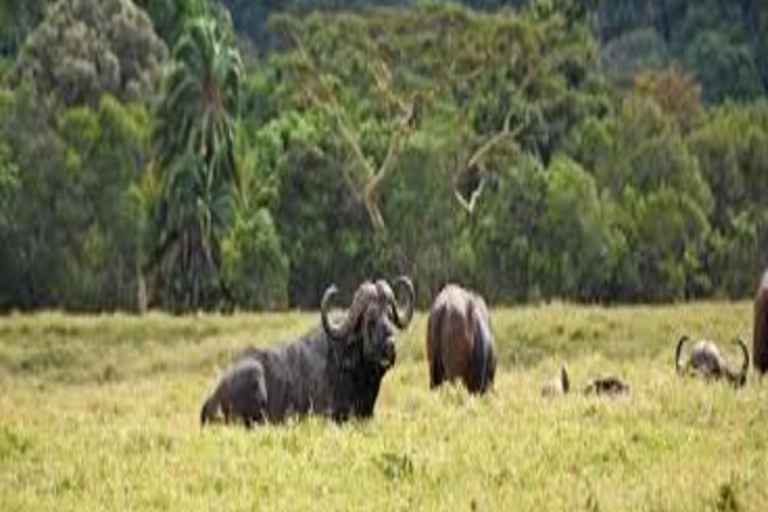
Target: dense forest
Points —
{"points": [[194, 154]]}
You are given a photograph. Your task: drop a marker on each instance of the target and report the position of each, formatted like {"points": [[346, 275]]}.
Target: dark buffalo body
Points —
{"points": [[459, 340], [335, 370], [760, 328]]}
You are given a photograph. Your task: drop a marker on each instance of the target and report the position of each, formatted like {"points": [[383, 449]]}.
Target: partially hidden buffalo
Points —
{"points": [[459, 340], [760, 328], [335, 370], [607, 386], [705, 360]]}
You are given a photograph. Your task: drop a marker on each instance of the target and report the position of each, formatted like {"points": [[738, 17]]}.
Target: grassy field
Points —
{"points": [[101, 413]]}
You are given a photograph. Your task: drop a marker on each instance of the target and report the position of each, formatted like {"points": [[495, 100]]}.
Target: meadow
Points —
{"points": [[102, 413]]}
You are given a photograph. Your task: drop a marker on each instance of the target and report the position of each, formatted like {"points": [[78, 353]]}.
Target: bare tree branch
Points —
{"points": [[374, 177], [473, 165], [393, 152]]}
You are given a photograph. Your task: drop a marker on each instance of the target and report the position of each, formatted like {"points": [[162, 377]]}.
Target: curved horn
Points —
{"points": [[741, 377], [366, 293], [678, 353], [402, 319], [565, 382]]}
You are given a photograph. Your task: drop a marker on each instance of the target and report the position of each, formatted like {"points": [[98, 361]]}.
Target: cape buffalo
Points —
{"points": [[334, 370], [707, 361], [760, 328], [610, 386], [459, 340]]}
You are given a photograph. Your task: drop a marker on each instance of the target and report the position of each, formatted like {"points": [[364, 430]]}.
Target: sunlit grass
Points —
{"points": [[101, 413]]}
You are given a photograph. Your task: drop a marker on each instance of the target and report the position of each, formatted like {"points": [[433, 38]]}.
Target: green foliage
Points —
{"points": [[84, 48], [625, 166], [254, 263], [17, 19], [76, 250], [194, 139], [170, 16], [732, 147], [629, 53], [509, 233], [9, 182], [719, 41], [725, 70], [579, 233]]}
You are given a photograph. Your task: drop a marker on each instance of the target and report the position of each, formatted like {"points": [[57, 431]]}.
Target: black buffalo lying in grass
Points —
{"points": [[760, 328], [706, 361], [335, 370], [459, 340]]}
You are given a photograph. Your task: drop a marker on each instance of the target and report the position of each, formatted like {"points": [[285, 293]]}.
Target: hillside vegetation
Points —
{"points": [[209, 155], [101, 413]]}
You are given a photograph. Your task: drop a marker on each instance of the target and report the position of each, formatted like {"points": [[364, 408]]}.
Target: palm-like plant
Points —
{"points": [[194, 144], [202, 98]]}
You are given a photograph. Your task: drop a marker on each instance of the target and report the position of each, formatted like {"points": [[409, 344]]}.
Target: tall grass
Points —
{"points": [[101, 413]]}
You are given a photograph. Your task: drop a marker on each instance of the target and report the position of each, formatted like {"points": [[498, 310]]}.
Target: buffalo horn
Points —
{"points": [[741, 377], [363, 296], [679, 352], [400, 318]]}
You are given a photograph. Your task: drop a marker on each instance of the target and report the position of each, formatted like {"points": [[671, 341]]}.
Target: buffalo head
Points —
{"points": [[707, 361], [372, 318]]}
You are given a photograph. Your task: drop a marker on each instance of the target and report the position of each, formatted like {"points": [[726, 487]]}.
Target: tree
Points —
{"points": [[731, 145], [579, 245], [725, 69], [69, 239], [170, 16], [504, 76], [84, 48], [678, 95], [313, 63], [17, 19], [194, 146]]}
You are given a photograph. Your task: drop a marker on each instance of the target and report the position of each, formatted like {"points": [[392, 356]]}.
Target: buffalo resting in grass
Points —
{"points": [[607, 385], [760, 328], [706, 360], [459, 340], [334, 370]]}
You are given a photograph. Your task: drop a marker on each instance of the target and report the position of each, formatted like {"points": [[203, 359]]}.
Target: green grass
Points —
{"points": [[101, 413]]}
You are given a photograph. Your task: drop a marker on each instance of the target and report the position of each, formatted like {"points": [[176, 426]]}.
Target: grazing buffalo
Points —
{"points": [[760, 329], [707, 361], [459, 340], [334, 370]]}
